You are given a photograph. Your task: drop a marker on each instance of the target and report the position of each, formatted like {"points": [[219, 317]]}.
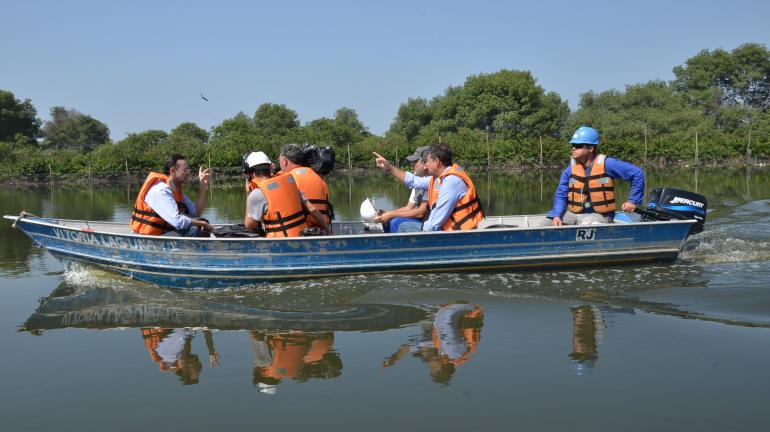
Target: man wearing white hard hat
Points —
{"points": [[274, 205]]}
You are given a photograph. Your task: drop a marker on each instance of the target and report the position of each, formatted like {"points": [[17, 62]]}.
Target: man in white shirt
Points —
{"points": [[162, 208]]}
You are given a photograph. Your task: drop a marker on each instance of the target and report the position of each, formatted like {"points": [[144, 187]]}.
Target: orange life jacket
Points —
{"points": [[600, 193], [152, 338], [316, 191], [470, 335], [144, 220], [285, 215], [467, 212], [291, 352]]}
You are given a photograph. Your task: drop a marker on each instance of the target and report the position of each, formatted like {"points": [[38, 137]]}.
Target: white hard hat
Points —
{"points": [[255, 158], [368, 212]]}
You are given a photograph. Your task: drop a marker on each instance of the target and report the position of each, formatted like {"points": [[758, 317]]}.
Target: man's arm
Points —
{"points": [[452, 189], [631, 173], [560, 198], [318, 216], [203, 184], [411, 211], [385, 165], [256, 203]]}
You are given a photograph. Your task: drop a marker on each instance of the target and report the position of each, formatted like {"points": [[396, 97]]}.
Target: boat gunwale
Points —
{"points": [[44, 221]]}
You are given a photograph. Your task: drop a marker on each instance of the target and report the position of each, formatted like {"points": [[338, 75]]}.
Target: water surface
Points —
{"points": [[647, 347]]}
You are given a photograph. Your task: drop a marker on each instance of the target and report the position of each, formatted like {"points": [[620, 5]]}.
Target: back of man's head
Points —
{"points": [[170, 162], [442, 153], [293, 153]]}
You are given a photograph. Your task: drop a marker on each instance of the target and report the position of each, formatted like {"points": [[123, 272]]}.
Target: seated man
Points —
{"points": [[312, 186], [586, 191], [162, 208], [452, 198], [411, 216], [274, 204]]}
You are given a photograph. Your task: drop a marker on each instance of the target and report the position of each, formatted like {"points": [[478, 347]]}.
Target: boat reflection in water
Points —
{"points": [[588, 325], [446, 342], [291, 338]]}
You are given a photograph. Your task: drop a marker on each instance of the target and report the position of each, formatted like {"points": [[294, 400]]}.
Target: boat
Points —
{"points": [[499, 243]]}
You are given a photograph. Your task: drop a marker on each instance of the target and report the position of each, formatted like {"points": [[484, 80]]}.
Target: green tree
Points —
{"points": [[412, 116], [274, 118], [712, 79], [345, 128], [71, 129], [18, 120], [233, 138], [623, 119], [509, 101], [189, 131]]}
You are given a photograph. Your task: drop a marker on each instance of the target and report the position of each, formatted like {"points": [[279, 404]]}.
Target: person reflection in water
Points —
{"points": [[588, 324], [172, 350], [587, 333], [294, 355], [447, 343]]}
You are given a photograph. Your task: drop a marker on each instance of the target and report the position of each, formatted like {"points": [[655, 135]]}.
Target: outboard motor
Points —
{"points": [[667, 204]]}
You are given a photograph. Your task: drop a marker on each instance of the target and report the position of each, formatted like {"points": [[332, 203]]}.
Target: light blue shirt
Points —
{"points": [[450, 190], [161, 199]]}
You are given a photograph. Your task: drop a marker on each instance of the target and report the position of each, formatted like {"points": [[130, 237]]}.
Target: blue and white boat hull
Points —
{"points": [[215, 262]]}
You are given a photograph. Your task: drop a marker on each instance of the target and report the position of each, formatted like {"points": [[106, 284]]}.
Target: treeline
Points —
{"points": [[716, 109]]}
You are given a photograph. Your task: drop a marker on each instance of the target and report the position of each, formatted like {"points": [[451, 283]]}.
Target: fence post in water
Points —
{"points": [[50, 174], [489, 163], [541, 152], [748, 150], [89, 173], [350, 162], [398, 162], [128, 173], [696, 148], [211, 174], [645, 146]]}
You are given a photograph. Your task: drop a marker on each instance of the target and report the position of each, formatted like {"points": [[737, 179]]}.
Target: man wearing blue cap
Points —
{"points": [[586, 191]]}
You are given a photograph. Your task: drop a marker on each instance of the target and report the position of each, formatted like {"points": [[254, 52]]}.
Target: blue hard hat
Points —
{"points": [[585, 135]]}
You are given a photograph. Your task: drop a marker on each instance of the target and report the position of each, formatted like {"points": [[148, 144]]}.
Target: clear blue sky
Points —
{"points": [[139, 65]]}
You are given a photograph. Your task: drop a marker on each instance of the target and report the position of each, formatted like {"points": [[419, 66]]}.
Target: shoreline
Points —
{"points": [[230, 177]]}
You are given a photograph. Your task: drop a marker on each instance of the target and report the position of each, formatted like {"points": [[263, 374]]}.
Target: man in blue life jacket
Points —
{"points": [[586, 191]]}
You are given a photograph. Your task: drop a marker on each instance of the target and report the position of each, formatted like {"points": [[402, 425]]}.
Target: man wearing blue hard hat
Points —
{"points": [[586, 191]]}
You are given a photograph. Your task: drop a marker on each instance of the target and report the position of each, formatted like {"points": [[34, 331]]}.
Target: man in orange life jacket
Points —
{"points": [[162, 208], [586, 191], [452, 198], [274, 204], [312, 186]]}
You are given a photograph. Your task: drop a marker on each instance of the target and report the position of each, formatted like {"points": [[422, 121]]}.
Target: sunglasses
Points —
{"points": [[580, 146]]}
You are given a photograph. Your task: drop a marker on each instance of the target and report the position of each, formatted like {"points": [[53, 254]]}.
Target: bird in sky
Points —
{"points": [[204, 97]]}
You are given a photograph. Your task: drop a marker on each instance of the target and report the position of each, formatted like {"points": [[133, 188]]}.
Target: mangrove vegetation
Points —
{"points": [[716, 109]]}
